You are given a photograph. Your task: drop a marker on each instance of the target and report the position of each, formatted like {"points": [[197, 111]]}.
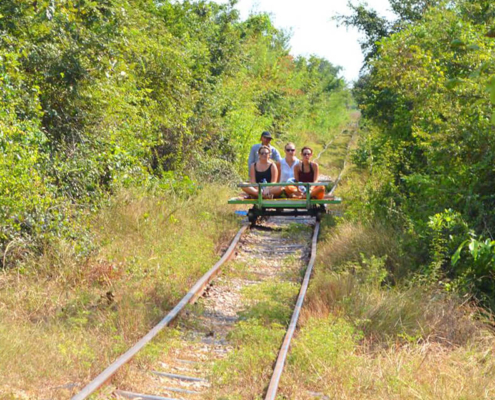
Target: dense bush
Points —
{"points": [[96, 95], [428, 95]]}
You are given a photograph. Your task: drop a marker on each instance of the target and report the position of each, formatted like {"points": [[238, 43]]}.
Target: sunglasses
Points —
{"points": [[306, 154], [292, 150], [264, 153]]}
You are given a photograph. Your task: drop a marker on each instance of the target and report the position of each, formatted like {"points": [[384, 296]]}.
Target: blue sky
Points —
{"points": [[314, 31]]}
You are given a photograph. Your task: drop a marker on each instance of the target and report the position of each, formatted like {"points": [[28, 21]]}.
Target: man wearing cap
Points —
{"points": [[266, 138]]}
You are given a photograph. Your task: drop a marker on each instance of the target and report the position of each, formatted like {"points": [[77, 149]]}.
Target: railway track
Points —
{"points": [[185, 371], [277, 250]]}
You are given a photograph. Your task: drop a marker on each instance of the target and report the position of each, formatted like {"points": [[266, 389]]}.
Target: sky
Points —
{"points": [[313, 29]]}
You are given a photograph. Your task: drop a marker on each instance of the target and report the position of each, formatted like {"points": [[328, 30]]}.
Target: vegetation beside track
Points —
{"points": [[366, 332], [63, 317], [427, 94]]}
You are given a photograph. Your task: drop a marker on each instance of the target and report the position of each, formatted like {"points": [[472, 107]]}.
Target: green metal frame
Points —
{"points": [[307, 203]]}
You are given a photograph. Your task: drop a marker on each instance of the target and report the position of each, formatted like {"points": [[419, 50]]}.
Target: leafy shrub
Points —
{"points": [[100, 96], [474, 266], [427, 96]]}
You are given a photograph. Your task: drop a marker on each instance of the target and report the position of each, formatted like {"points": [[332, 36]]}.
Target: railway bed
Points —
{"points": [[266, 252]]}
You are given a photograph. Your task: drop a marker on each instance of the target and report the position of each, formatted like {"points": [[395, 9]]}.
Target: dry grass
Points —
{"points": [[363, 338], [408, 371], [63, 317], [390, 315], [350, 241]]}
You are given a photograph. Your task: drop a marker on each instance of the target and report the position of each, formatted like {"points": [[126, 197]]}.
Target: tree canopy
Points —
{"points": [[99, 94]]}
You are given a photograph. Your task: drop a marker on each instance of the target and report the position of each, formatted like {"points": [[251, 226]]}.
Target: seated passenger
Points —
{"points": [[266, 138], [263, 170], [306, 171], [287, 165]]}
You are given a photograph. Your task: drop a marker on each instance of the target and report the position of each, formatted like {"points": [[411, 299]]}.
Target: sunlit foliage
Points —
{"points": [[100, 94], [429, 97]]}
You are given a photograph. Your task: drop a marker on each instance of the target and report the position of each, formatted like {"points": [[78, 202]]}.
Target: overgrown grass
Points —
{"points": [[368, 333], [350, 242], [330, 357], [64, 317]]}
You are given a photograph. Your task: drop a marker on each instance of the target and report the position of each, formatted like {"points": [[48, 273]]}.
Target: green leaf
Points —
{"points": [[457, 254], [475, 73], [452, 83], [474, 249], [491, 88]]}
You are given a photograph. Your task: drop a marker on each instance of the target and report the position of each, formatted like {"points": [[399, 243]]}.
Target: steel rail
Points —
{"points": [[337, 181], [190, 297], [282, 355], [328, 144]]}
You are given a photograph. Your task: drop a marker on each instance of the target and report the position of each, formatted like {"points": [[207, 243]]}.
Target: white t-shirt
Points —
{"points": [[287, 172]]}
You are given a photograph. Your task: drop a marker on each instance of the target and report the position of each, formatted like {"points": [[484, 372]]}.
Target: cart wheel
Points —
{"points": [[252, 217]]}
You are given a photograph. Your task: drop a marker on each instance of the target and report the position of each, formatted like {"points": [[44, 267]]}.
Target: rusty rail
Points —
{"points": [[337, 181], [190, 297], [282, 355]]}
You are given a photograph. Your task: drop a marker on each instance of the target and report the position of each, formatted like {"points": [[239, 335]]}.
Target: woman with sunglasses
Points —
{"points": [[308, 171], [286, 165], [286, 168], [263, 170]]}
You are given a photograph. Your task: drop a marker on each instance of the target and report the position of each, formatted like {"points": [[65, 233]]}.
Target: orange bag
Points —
{"points": [[318, 192]]}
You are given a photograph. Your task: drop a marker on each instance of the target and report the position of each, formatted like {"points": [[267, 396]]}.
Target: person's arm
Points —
{"points": [[274, 173], [296, 172], [316, 168], [279, 168], [252, 174], [252, 158], [275, 155]]}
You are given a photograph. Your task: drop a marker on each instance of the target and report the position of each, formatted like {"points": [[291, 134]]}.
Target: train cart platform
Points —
{"points": [[285, 206]]}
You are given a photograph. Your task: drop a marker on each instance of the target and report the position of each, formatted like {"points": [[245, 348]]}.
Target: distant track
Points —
{"points": [[346, 158], [328, 144]]}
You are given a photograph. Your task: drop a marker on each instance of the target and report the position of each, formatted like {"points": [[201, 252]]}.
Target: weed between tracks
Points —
{"points": [[63, 318], [257, 337]]}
